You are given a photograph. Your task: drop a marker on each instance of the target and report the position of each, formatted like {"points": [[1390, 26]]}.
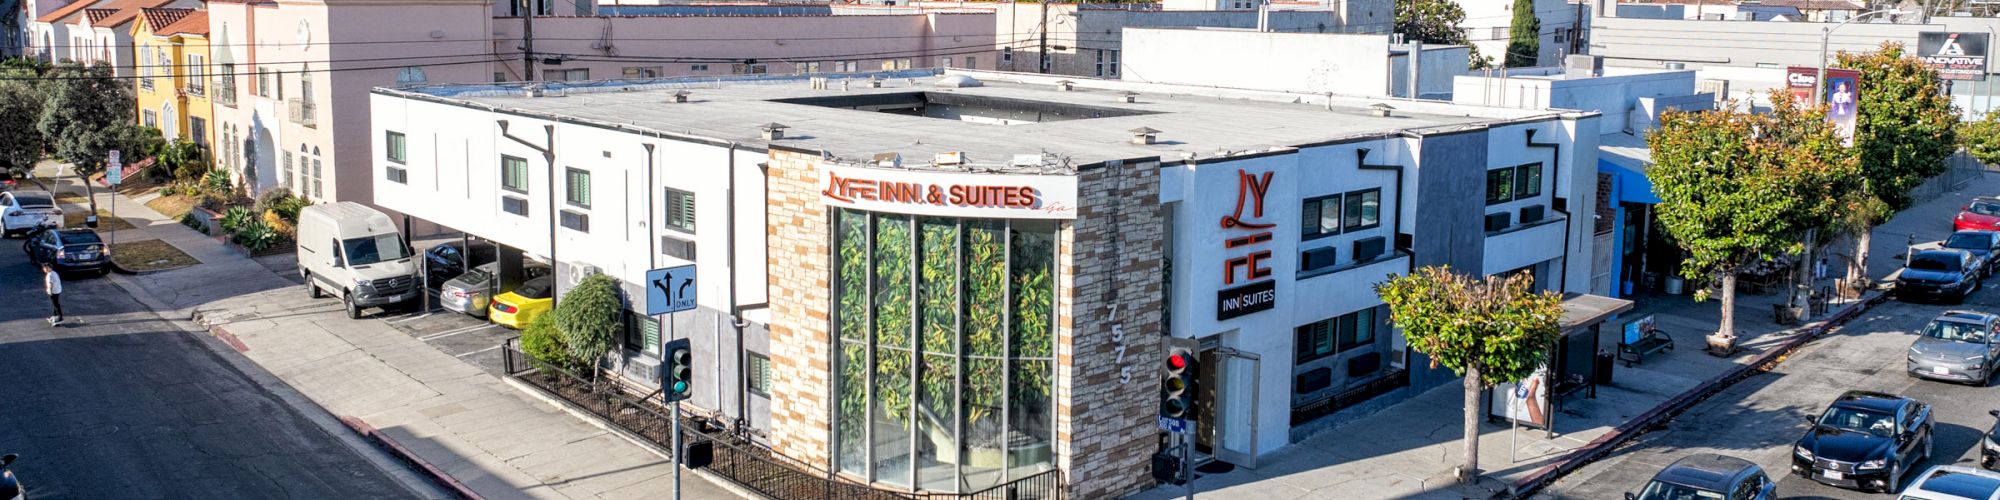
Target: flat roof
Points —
{"points": [[1203, 121]]}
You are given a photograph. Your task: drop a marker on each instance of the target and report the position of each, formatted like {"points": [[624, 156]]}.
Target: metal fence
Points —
{"points": [[1960, 168], [738, 460]]}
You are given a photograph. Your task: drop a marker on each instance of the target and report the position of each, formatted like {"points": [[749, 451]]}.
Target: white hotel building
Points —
{"points": [[868, 315]]}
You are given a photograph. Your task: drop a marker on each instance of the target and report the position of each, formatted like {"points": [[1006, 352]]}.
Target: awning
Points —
{"points": [[1581, 311], [1627, 156]]}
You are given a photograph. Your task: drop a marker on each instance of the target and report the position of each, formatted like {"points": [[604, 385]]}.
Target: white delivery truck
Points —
{"points": [[354, 252]]}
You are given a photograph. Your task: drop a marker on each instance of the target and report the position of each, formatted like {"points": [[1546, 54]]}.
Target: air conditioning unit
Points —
{"points": [[1496, 222], [1367, 249], [677, 248], [1317, 258], [1532, 213], [577, 272]]}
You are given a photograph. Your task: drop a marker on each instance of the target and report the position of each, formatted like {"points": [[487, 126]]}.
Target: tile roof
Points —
{"points": [[194, 23], [123, 11], [97, 16], [57, 15], [157, 19]]}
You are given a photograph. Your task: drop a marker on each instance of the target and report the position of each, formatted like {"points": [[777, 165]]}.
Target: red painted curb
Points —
{"points": [[1603, 445], [436, 474], [228, 338]]}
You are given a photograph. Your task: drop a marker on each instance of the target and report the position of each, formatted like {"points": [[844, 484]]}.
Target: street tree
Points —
{"points": [[1981, 138], [1490, 330], [20, 146], [1436, 22], [1905, 128], [588, 319], [1736, 188], [1524, 43], [89, 113]]}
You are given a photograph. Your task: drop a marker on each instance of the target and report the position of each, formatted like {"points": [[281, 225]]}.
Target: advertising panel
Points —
{"points": [[1955, 56], [1841, 93]]}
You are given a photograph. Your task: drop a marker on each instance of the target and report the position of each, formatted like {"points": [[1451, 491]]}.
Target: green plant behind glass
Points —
{"points": [[938, 293], [893, 315]]}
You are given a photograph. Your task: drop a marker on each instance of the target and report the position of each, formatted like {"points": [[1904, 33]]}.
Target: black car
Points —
{"points": [[73, 249], [1951, 274], [1989, 445], [10, 486], [1866, 440], [444, 262], [1983, 245], [1709, 475]]}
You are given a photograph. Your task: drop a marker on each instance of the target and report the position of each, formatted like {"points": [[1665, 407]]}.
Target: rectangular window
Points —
{"points": [[316, 178], [642, 71], [225, 85], [514, 174], [149, 118], [1114, 62], [1499, 185], [1006, 55], [944, 62], [697, 67], [263, 82], [1320, 216], [397, 145], [196, 71], [760, 375], [1357, 329], [566, 75], [748, 69], [287, 165], [1527, 180], [398, 175], [642, 333], [680, 210], [577, 183], [971, 62], [1314, 341], [1364, 209], [575, 221], [807, 68]]}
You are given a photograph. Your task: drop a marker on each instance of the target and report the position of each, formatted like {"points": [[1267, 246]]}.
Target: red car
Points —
{"points": [[1983, 214]]}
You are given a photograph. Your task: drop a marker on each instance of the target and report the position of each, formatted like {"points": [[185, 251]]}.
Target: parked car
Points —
{"points": [[354, 252], [1938, 273], [1957, 346], [10, 486], [442, 263], [1982, 214], [517, 308], [468, 292], [23, 211], [1709, 475], [1981, 244], [73, 249], [1865, 440], [1989, 445], [1954, 482]]}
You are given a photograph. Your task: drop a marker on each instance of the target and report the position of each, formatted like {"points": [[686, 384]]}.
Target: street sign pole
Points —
{"points": [[676, 407], [114, 173], [668, 291]]}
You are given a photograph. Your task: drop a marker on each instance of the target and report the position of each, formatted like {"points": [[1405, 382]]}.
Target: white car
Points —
{"points": [[1954, 482], [23, 211]]}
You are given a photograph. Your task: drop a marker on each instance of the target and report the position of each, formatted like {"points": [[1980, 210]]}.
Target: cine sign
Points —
{"points": [[1246, 299]]}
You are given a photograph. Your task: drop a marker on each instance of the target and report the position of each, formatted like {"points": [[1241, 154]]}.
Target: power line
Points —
{"points": [[280, 72]]}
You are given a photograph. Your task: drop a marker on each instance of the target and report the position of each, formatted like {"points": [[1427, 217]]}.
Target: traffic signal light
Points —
{"points": [[1177, 384], [678, 372]]}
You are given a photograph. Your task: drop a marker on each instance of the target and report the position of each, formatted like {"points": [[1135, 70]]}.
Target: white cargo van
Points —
{"points": [[354, 252]]}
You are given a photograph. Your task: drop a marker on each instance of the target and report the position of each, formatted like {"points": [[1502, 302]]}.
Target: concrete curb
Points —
{"points": [[648, 445], [450, 484], [1603, 445]]}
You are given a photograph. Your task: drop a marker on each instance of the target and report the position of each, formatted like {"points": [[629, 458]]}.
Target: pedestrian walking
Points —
{"points": [[52, 284]]}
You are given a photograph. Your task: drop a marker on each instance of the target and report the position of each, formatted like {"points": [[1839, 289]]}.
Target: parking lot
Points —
{"points": [[471, 339]]}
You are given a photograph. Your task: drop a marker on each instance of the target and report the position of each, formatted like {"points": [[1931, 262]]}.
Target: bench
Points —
{"points": [[1642, 339]]}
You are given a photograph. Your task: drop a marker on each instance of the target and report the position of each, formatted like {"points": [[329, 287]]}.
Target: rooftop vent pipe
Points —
{"points": [[681, 96], [1144, 135], [1381, 110], [773, 131]]}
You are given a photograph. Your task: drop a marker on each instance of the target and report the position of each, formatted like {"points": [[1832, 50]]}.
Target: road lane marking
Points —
{"points": [[448, 333]]}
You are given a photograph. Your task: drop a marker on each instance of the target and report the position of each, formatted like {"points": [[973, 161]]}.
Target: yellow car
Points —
{"points": [[517, 308]]}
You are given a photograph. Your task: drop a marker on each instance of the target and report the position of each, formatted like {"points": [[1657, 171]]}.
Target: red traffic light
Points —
{"points": [[1177, 362]]}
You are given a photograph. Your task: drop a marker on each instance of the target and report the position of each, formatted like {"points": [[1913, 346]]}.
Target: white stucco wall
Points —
{"points": [[1246, 59]]}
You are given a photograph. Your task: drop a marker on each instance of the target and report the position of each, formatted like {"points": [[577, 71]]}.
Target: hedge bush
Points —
{"points": [[541, 341]]}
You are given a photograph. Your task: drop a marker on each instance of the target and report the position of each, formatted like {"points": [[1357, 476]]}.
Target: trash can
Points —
{"points": [[1606, 360]]}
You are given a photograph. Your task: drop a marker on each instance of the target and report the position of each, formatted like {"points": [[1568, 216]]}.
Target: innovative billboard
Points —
{"points": [[1955, 56]]}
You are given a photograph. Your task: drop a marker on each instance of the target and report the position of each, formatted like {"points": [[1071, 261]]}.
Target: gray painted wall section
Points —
{"points": [[1450, 214]]}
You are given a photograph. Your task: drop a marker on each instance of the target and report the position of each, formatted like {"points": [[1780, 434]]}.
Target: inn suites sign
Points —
{"points": [[951, 194]]}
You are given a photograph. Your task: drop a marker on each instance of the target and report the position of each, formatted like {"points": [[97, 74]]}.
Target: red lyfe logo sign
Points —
{"points": [[1260, 294], [852, 190]]}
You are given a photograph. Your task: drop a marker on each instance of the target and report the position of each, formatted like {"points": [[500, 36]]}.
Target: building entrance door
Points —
{"points": [[1226, 405]]}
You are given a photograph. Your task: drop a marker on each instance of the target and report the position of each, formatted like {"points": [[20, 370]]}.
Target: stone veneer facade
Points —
{"points": [[1111, 254]]}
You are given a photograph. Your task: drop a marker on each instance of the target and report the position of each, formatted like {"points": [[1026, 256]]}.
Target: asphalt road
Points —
{"points": [[1759, 418], [122, 404]]}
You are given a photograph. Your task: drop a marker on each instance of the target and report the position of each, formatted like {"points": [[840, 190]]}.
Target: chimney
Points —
{"points": [[1416, 68], [680, 96], [1144, 135], [773, 131]]}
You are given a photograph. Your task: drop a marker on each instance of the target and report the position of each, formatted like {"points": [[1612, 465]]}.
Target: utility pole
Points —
{"points": [[1042, 49], [528, 38], [1576, 31]]}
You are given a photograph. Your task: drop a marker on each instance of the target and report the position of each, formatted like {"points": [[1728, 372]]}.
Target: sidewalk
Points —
{"points": [[488, 436], [1411, 449]]}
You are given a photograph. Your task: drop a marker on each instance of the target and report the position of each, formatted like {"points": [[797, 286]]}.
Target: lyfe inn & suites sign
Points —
{"points": [[1262, 293], [950, 194]]}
